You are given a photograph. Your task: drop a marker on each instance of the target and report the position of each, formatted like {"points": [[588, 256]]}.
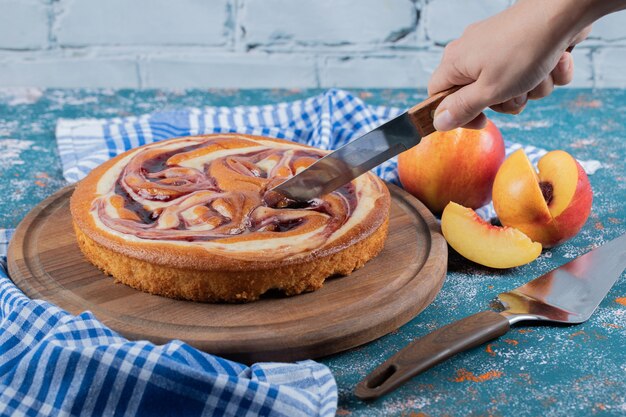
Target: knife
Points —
{"points": [[568, 294], [364, 153]]}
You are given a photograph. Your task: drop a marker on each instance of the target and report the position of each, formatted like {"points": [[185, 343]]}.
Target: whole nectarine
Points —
{"points": [[459, 165], [550, 206]]}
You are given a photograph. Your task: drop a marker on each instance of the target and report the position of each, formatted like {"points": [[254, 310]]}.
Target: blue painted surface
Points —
{"points": [[539, 371]]}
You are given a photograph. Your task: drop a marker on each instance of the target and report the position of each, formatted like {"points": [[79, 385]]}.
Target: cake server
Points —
{"points": [[364, 153], [568, 294]]}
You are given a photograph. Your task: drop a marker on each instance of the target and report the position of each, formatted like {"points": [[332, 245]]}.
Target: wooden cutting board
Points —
{"points": [[45, 262]]}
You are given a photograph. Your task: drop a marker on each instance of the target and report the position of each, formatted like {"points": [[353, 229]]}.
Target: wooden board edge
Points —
{"points": [[16, 256]]}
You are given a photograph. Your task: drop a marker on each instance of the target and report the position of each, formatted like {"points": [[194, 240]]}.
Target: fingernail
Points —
{"points": [[443, 121], [520, 100]]}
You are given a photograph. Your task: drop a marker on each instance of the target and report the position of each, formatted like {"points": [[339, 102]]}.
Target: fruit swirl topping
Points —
{"points": [[215, 189]]}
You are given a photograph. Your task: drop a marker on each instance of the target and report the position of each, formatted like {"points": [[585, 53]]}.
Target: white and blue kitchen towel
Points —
{"points": [[55, 364]]}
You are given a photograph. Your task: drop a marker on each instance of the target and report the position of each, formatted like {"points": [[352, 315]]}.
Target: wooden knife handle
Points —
{"points": [[428, 351], [423, 113]]}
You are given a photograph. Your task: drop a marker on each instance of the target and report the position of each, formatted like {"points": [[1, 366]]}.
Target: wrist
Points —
{"points": [[595, 9], [575, 15], [581, 12], [567, 18]]}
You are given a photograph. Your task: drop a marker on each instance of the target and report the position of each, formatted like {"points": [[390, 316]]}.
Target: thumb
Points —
{"points": [[460, 108]]}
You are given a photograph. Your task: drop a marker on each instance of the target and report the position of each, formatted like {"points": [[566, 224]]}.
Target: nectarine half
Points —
{"points": [[550, 206]]}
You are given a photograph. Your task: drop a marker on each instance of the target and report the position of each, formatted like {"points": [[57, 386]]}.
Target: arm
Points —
{"points": [[516, 55]]}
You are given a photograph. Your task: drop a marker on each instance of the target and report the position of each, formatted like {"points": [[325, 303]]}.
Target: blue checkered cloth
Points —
{"points": [[55, 364]]}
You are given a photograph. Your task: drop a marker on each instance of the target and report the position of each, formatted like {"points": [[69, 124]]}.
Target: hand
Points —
{"points": [[516, 55]]}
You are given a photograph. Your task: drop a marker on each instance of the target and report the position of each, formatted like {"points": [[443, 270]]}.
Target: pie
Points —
{"points": [[190, 218]]}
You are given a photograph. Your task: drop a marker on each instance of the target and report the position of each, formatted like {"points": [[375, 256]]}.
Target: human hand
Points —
{"points": [[507, 59]]}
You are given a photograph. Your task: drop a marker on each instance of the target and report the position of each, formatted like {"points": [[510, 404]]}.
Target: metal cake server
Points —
{"points": [[364, 153], [568, 294]]}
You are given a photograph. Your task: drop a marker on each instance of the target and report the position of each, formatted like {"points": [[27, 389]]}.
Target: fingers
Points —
{"points": [[460, 108], [444, 78], [563, 73], [479, 122], [438, 81], [582, 35], [513, 106], [544, 89], [448, 74]]}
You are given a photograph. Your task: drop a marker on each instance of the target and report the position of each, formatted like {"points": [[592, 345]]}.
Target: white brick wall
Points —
{"points": [[610, 28], [256, 43], [390, 71], [610, 66], [583, 67], [230, 70], [446, 19], [141, 22], [68, 72], [23, 24], [307, 23]]}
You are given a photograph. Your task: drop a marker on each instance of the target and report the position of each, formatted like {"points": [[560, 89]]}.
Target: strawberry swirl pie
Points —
{"points": [[191, 218]]}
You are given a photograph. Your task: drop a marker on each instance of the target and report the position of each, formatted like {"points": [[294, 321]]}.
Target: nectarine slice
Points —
{"points": [[483, 243], [517, 196], [557, 180]]}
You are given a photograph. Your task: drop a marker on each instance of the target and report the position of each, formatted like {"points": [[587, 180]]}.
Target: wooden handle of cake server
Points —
{"points": [[428, 351]]}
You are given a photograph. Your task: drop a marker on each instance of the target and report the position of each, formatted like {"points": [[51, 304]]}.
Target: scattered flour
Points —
{"points": [[18, 185], [8, 127], [526, 125], [21, 95], [11, 150], [591, 166]]}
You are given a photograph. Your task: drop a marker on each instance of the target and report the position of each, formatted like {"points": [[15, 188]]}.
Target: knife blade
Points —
{"points": [[568, 294], [364, 153]]}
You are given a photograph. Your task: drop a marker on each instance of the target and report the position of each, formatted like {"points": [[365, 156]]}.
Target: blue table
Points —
{"points": [[539, 371]]}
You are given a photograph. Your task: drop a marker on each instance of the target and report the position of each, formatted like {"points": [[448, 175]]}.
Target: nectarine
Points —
{"points": [[550, 206], [459, 165], [483, 243]]}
